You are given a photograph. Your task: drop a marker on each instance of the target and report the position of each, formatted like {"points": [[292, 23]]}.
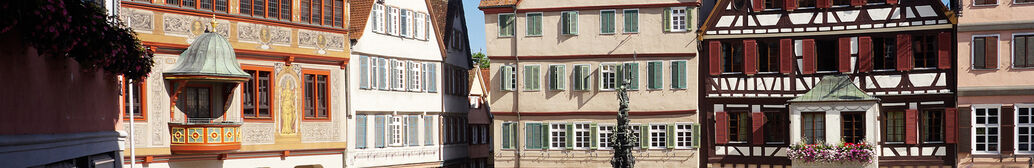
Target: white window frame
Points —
{"points": [[536, 75], [686, 138], [558, 136], [997, 2], [399, 75], [512, 77], [637, 26], [372, 73], [675, 27], [1030, 125], [604, 134], [613, 21], [636, 129], [393, 14], [582, 135], [378, 18], [404, 20], [415, 77], [996, 126], [499, 27], [396, 130], [574, 31], [1012, 47], [972, 52], [527, 23], [608, 82], [418, 25], [658, 136], [560, 79]]}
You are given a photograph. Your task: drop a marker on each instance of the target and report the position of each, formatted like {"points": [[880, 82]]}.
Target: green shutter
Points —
{"points": [[696, 135], [674, 74], [644, 136], [593, 135], [529, 135], [574, 23], [544, 137], [506, 78], [560, 77], [670, 136], [577, 75], [682, 74], [689, 18], [513, 135], [527, 77], [655, 75], [633, 75], [585, 77], [506, 135], [570, 136], [619, 76], [667, 19]]}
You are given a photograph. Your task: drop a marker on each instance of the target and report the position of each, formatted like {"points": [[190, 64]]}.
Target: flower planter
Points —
{"points": [[843, 155]]}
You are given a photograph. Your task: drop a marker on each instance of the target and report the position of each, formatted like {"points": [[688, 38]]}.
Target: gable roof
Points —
{"points": [[834, 88], [437, 9], [497, 3], [358, 13]]}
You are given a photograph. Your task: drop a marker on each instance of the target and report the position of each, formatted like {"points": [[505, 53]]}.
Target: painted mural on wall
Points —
{"points": [[321, 41], [192, 27], [288, 88]]}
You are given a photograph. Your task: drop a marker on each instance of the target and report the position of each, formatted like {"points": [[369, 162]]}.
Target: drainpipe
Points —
{"points": [[132, 149], [517, 94]]}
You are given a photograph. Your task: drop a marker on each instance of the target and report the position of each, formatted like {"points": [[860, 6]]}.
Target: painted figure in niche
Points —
{"points": [[288, 109]]}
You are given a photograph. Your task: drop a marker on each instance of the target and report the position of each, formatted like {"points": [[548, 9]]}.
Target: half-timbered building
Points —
{"points": [[784, 72]]}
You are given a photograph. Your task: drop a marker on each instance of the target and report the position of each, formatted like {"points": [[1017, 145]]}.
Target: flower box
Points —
{"points": [[823, 155]]}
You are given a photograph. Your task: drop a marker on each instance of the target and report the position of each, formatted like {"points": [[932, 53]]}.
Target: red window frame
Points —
{"points": [[141, 94], [334, 17], [316, 98], [197, 4], [254, 71], [281, 7]]}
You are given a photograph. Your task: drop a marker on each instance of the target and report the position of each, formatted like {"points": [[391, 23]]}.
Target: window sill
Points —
{"points": [[894, 143], [607, 33], [731, 73], [773, 9], [934, 142], [1023, 68], [630, 32], [678, 31], [983, 69], [1023, 3], [510, 36], [533, 35], [985, 5], [925, 68], [527, 90]]}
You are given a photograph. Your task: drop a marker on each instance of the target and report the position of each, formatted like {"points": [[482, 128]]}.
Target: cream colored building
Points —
{"points": [[554, 71]]}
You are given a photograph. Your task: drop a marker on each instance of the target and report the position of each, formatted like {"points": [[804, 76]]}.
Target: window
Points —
{"points": [[396, 131], [531, 77], [732, 57], [220, 5], [814, 127], [533, 135], [678, 19], [430, 77], [924, 51], [256, 94], [874, 1], [985, 2], [678, 74], [806, 3], [390, 20], [317, 12], [655, 74], [608, 76], [360, 131], [932, 126], [581, 77], [414, 76], [773, 4], [404, 20], [895, 122], [884, 53], [534, 24], [631, 70], [985, 52], [581, 136], [768, 56], [605, 132], [683, 136], [316, 95], [658, 136], [195, 102], [418, 26], [1024, 128], [558, 136], [776, 127], [985, 126], [429, 130], [377, 18], [852, 127], [398, 75], [840, 3], [1023, 50], [569, 22], [607, 21], [637, 133], [739, 127], [506, 22], [631, 20], [557, 75], [826, 55], [273, 9], [137, 100], [509, 78]]}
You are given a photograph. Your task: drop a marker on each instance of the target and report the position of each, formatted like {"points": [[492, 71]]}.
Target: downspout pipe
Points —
{"points": [[517, 95]]}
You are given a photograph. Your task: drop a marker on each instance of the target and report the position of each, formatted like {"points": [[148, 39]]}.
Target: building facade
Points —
{"points": [[554, 72], [480, 121], [279, 102], [996, 52], [782, 73]]}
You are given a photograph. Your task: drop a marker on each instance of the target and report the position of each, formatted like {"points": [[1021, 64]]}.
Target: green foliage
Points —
{"points": [[480, 59]]}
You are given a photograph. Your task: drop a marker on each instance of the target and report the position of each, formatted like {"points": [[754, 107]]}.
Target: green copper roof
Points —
{"points": [[834, 88], [210, 55]]}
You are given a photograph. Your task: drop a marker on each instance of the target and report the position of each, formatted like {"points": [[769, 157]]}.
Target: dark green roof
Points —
{"points": [[834, 88], [209, 55]]}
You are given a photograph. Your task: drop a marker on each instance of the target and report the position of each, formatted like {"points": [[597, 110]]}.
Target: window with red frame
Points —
{"points": [[322, 12], [137, 100], [274, 9], [256, 95], [211, 5], [316, 94]]}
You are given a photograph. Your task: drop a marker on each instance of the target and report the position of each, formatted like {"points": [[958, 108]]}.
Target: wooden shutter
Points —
{"points": [[507, 77], [570, 136], [911, 123], [669, 138], [864, 54], [634, 68], [950, 125], [364, 72], [750, 54], [1008, 127], [644, 136], [594, 135], [944, 50], [758, 120], [904, 52], [786, 56], [991, 52], [809, 56], [667, 20], [758, 5], [715, 50], [506, 135], [721, 130], [529, 135], [892, 2], [844, 54], [696, 135], [682, 75], [857, 3], [824, 3], [790, 5]]}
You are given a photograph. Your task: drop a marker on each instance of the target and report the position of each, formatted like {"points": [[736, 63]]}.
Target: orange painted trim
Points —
{"points": [[203, 77], [236, 17], [509, 9], [316, 93], [272, 92], [143, 102], [565, 113], [257, 55], [232, 155], [584, 56], [204, 148]]}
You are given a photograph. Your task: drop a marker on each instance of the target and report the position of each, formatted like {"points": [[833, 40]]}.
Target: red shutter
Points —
{"points": [[758, 118], [944, 50], [857, 2], [750, 54], [892, 2], [715, 49], [824, 3], [904, 52], [864, 54], [758, 5], [844, 58], [790, 4], [721, 128], [949, 126], [809, 56], [911, 122], [991, 52], [786, 56]]}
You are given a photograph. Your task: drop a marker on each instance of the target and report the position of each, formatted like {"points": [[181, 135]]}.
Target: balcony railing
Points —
{"points": [[205, 135]]}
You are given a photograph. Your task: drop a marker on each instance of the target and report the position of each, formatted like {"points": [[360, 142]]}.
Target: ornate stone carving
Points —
{"points": [[142, 21], [321, 41], [257, 133], [264, 35], [192, 26], [319, 131]]}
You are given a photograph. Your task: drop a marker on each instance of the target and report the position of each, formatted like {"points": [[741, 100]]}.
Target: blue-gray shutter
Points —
{"points": [[360, 139], [432, 78], [428, 131], [413, 130], [379, 130], [383, 73], [364, 72]]}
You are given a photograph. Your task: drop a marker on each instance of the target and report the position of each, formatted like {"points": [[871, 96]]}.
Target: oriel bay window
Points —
{"points": [[852, 126], [317, 94], [932, 126], [256, 94], [813, 127], [195, 101], [986, 129], [739, 127], [274, 9]]}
